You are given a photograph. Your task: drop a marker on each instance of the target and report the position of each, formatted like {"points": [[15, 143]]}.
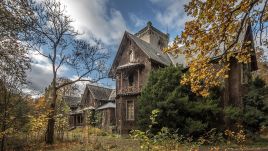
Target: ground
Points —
{"points": [[103, 141]]}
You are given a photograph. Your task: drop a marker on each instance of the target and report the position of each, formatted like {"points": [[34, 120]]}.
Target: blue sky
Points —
{"points": [[107, 20]]}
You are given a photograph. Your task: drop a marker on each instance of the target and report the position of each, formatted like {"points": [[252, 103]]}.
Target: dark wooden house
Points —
{"points": [[75, 117], [240, 74], [102, 101], [141, 53], [137, 55]]}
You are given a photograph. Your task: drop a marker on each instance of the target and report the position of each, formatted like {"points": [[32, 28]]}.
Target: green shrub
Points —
{"points": [[178, 108]]}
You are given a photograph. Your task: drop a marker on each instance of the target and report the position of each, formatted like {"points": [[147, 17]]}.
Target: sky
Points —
{"points": [[107, 20]]}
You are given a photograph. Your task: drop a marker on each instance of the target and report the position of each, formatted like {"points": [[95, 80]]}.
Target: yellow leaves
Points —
{"points": [[239, 136], [7, 132], [38, 123], [245, 5], [201, 76], [213, 32]]}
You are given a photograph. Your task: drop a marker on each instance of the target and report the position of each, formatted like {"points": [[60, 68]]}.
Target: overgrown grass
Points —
{"points": [[99, 140]]}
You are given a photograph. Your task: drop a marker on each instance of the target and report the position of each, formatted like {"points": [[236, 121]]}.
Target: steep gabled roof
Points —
{"points": [[150, 51], [112, 95], [246, 34], [150, 26], [98, 92], [71, 101]]}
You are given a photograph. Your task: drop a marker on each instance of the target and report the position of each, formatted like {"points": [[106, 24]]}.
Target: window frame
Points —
{"points": [[127, 109]]}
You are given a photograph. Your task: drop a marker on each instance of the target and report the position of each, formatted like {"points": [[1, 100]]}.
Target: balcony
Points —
{"points": [[129, 90]]}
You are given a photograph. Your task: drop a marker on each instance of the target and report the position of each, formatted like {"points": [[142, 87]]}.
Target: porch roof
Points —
{"points": [[107, 105]]}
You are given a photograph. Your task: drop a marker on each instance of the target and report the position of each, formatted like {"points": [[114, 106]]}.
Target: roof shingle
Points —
{"points": [[152, 52], [99, 93], [71, 100]]}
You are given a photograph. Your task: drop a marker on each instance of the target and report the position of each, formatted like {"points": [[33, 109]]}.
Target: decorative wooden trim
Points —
{"points": [[130, 90]]}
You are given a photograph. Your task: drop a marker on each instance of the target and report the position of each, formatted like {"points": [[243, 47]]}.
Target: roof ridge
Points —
{"points": [[100, 86], [149, 25]]}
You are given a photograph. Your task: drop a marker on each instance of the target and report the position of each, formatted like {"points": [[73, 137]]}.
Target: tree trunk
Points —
{"points": [[3, 143], [51, 121], [4, 119]]}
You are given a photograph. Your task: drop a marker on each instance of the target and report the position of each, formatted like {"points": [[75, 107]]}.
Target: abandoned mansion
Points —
{"points": [[138, 54]]}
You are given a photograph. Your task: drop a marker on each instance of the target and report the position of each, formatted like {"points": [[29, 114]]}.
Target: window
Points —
{"points": [[131, 56], [130, 80], [244, 73], [130, 110]]}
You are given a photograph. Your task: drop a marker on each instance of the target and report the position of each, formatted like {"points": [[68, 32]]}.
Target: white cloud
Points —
{"points": [[137, 21], [82, 84], [92, 17], [95, 17], [40, 75], [173, 15]]}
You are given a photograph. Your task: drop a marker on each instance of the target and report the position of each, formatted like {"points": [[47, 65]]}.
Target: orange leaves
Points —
{"points": [[215, 31], [245, 6], [201, 76]]}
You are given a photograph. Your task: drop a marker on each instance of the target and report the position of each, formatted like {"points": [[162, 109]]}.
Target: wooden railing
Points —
{"points": [[134, 89]]}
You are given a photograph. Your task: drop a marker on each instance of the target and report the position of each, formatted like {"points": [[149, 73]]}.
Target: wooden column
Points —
{"points": [[138, 79], [73, 119], [121, 82], [76, 120]]}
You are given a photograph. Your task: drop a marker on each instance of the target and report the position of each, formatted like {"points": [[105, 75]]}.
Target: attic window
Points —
{"points": [[159, 43], [131, 56]]}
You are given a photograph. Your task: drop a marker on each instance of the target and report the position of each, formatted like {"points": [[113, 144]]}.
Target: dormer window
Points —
{"points": [[131, 56]]}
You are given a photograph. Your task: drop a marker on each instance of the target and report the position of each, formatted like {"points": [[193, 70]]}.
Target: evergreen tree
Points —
{"points": [[256, 108], [179, 109], [254, 115]]}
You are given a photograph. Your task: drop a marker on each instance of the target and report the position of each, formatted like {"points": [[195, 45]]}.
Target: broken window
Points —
{"points": [[130, 80]]}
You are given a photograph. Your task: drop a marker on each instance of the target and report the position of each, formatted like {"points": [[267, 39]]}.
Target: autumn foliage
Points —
{"points": [[216, 32]]}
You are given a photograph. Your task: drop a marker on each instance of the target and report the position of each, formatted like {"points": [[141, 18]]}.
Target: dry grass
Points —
{"points": [[98, 140]]}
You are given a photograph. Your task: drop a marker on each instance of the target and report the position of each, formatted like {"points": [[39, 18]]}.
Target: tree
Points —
{"points": [[14, 24], [62, 109], [14, 109], [15, 20], [255, 113], [38, 118], [178, 108], [54, 38], [215, 31]]}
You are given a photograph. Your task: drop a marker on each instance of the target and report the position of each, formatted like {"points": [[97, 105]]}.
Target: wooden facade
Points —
{"points": [[136, 57], [239, 75], [102, 101], [97, 98], [141, 53]]}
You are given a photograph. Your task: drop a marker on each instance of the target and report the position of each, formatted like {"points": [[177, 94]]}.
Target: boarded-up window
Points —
{"points": [[130, 110]]}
